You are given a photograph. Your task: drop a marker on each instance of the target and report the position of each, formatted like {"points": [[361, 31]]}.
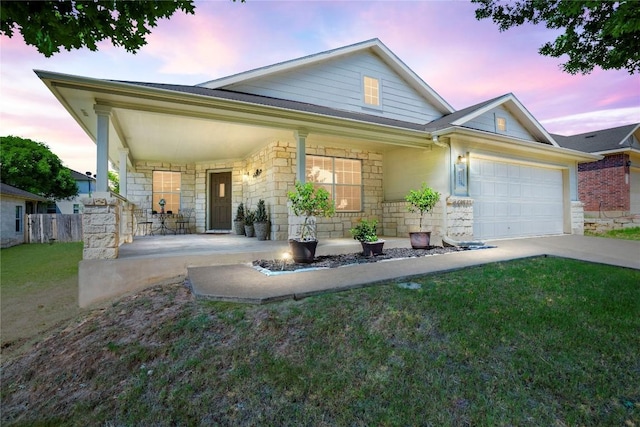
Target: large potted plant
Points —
{"points": [[261, 223], [422, 201], [238, 222], [308, 202], [365, 232], [249, 218]]}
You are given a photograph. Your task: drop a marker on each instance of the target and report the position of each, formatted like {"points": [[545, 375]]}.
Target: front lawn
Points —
{"points": [[631, 233], [38, 290], [542, 341]]}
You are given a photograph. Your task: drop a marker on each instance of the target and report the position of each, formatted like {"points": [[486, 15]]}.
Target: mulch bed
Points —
{"points": [[333, 261]]}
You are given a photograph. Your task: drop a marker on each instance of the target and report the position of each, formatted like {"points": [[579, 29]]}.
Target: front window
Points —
{"points": [[501, 124], [76, 208], [19, 219], [342, 178], [166, 187], [371, 91]]}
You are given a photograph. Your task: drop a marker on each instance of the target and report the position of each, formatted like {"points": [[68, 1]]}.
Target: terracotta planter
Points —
{"points": [[249, 231], [303, 251], [372, 248], [238, 227], [261, 229], [420, 240]]}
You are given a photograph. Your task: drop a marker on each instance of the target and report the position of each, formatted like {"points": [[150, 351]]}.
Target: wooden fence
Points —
{"points": [[47, 228]]}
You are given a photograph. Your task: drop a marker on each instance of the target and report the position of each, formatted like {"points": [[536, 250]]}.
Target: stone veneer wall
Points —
{"points": [[459, 217], [101, 226], [577, 217], [277, 177], [340, 224], [140, 183], [399, 222], [602, 225], [277, 161]]}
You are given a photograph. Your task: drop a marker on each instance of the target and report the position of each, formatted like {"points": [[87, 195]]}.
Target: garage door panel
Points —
{"points": [[512, 200]]}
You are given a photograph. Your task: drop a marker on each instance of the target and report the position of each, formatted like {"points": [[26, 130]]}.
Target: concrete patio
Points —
{"points": [[217, 265]]}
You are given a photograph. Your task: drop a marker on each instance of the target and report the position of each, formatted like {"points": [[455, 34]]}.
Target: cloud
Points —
{"points": [[593, 120]]}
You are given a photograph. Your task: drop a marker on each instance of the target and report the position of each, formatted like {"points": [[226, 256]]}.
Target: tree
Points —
{"points": [[596, 33], [31, 166], [114, 181], [50, 25]]}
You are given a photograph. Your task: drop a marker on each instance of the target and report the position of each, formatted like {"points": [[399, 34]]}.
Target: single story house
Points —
{"points": [[86, 184], [610, 186], [15, 205], [356, 120]]}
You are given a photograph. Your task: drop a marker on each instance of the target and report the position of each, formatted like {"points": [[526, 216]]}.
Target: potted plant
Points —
{"points": [[422, 201], [238, 222], [365, 232], [261, 223], [309, 202], [249, 218]]}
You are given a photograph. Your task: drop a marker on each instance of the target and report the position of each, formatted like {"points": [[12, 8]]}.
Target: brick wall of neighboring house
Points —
{"points": [[602, 186]]}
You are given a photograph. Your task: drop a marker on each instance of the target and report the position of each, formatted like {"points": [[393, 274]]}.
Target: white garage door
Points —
{"points": [[514, 200], [635, 191]]}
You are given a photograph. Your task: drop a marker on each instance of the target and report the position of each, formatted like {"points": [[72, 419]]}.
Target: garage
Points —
{"points": [[634, 190], [515, 200]]}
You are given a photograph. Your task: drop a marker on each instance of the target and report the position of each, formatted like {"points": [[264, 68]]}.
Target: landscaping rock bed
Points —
{"points": [[333, 261]]}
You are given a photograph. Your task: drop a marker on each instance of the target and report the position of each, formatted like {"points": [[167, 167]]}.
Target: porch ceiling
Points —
{"points": [[167, 138]]}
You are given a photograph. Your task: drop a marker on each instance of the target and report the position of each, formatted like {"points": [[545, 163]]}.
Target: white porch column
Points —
{"points": [[124, 156], [102, 142], [301, 153]]}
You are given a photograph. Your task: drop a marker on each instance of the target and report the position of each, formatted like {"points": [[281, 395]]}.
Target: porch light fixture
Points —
{"points": [[461, 159], [257, 173]]}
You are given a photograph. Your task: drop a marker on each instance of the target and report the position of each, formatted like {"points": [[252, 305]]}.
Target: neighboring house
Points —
{"points": [[15, 205], [355, 119], [610, 185], [86, 186]]}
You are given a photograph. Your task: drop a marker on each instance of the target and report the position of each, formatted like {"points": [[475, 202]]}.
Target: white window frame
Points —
{"points": [[365, 96], [500, 121], [19, 219], [175, 207], [333, 185]]}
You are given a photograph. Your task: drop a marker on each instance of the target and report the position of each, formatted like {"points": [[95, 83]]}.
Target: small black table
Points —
{"points": [[163, 229]]}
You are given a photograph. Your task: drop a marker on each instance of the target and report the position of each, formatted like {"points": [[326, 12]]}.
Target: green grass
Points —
{"points": [[632, 233], [38, 264], [542, 341], [38, 289]]}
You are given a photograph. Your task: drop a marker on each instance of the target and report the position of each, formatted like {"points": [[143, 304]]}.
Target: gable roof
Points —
{"points": [[461, 117], [80, 176], [600, 141], [9, 190], [374, 45]]}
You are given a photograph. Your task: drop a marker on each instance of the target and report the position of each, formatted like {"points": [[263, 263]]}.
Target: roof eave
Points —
{"points": [[415, 138], [500, 140]]}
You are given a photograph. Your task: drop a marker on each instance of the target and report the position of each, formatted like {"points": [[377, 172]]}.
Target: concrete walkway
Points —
{"points": [[243, 283]]}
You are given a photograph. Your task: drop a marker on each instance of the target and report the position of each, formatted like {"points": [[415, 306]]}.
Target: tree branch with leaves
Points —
{"points": [[52, 25], [603, 34]]}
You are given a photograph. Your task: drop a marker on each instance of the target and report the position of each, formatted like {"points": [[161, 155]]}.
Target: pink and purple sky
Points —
{"points": [[466, 61]]}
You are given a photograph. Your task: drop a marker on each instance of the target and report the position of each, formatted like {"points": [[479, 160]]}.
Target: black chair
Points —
{"points": [[144, 223], [183, 223]]}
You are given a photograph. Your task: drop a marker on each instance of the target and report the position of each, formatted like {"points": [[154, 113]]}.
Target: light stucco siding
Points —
{"points": [[407, 168]]}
